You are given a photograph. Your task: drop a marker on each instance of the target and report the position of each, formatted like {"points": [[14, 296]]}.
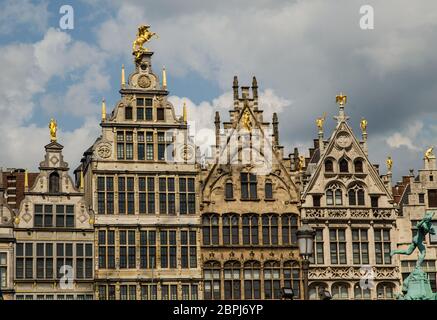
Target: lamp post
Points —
{"points": [[305, 239]]}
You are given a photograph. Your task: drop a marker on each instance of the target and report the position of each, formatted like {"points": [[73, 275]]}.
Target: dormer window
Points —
{"points": [[128, 113], [329, 166], [343, 165], [54, 182], [248, 186], [160, 115]]}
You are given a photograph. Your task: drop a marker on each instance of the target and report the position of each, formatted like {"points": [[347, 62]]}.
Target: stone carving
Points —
{"points": [[337, 213], [382, 213], [104, 150], [352, 273], [144, 81], [359, 213], [343, 140], [315, 213]]}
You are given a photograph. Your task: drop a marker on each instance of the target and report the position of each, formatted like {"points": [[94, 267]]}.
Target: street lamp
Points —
{"points": [[305, 240]]}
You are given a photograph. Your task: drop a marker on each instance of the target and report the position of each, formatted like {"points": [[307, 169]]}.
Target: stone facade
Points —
{"points": [[351, 207], [54, 235], [142, 182], [249, 207], [419, 194]]}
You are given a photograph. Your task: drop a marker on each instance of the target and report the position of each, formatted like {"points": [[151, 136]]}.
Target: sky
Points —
{"points": [[303, 54]]}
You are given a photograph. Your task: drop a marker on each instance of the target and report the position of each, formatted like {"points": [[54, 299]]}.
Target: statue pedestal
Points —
{"points": [[417, 287]]}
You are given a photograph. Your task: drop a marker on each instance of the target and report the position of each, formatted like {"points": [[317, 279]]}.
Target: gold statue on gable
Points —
{"points": [[247, 123], [143, 36], [429, 153], [53, 126], [389, 163], [363, 124], [321, 121], [341, 99], [301, 163]]}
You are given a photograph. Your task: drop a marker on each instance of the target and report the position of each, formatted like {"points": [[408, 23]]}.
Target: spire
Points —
{"points": [[26, 181], [164, 78], [217, 129], [103, 110], [254, 88], [184, 112], [123, 79], [235, 87], [275, 129], [81, 180]]}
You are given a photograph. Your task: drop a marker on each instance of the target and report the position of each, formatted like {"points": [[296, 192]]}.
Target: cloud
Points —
{"points": [[398, 139], [23, 13]]}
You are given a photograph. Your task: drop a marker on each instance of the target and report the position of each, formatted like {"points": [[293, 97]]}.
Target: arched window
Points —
{"points": [[211, 283], [289, 229], [270, 229], [252, 280], [268, 190], [329, 166], [334, 195], [340, 291], [360, 293], [356, 196], [358, 165], [250, 229], [385, 290], [344, 166], [230, 229], [229, 191], [272, 280], [315, 288], [291, 272], [54, 182], [210, 229], [232, 275]]}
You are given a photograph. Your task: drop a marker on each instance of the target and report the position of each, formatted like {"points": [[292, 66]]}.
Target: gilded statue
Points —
{"points": [[320, 122], [143, 36], [247, 122], [53, 126], [429, 153], [301, 163], [341, 99], [363, 124], [389, 163]]}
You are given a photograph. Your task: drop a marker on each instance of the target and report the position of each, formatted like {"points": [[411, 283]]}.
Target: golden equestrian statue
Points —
{"points": [[143, 36], [389, 163], [321, 121], [53, 126], [363, 124], [429, 153], [341, 99]]}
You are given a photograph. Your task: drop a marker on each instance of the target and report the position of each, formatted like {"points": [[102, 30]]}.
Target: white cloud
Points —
{"points": [[398, 139], [23, 13]]}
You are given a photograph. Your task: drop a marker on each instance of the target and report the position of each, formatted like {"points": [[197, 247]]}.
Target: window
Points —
{"points": [[250, 230], [128, 292], [128, 113], [190, 292], [126, 202], [160, 114], [248, 186], [291, 272], [149, 292], [340, 291], [146, 195], [360, 246], [374, 201], [252, 280], [334, 195], [147, 249], [360, 293], [337, 241], [168, 249], [167, 196], [421, 198], [232, 282], [272, 280], [187, 196], [188, 249], [127, 249], [329, 166], [358, 165], [106, 292], [64, 257], [433, 237], [211, 282], [125, 145], [382, 246], [140, 113], [43, 215], [270, 229], [432, 198], [289, 229], [385, 290], [84, 261], [44, 260], [210, 229], [149, 146], [169, 292], [141, 146], [356, 196], [268, 189], [431, 178], [318, 256], [315, 289], [344, 166], [107, 249], [229, 191], [165, 145], [105, 195], [64, 216], [230, 225], [3, 270], [316, 200], [54, 183]]}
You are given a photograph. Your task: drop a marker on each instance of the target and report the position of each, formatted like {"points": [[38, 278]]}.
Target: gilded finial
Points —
{"points": [[81, 180], [143, 36], [164, 78], [123, 78], [363, 124], [26, 180], [103, 110], [53, 126], [341, 99], [320, 122], [184, 112], [389, 163], [429, 153]]}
